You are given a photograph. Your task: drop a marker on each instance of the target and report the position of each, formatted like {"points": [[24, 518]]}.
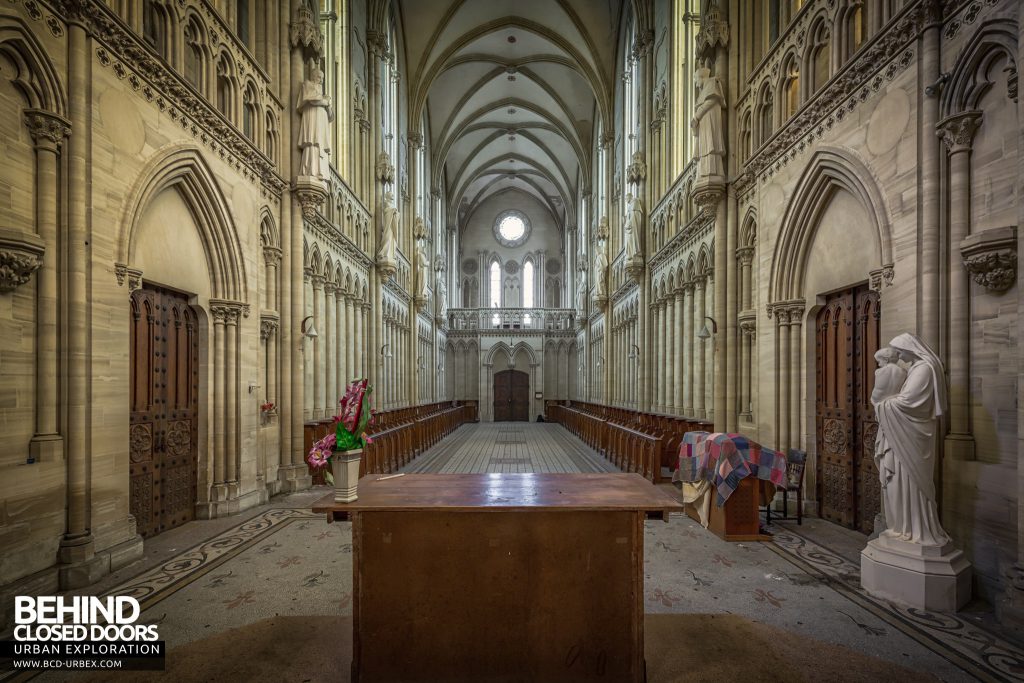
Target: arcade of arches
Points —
{"points": [[506, 207]]}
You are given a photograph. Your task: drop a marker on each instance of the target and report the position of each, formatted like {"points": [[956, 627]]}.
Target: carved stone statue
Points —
{"points": [[633, 225], [315, 112], [422, 273], [907, 426], [442, 296], [387, 255], [707, 125], [600, 275], [581, 291]]}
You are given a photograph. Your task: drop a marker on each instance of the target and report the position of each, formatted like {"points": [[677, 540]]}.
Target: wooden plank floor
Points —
{"points": [[510, 447]]}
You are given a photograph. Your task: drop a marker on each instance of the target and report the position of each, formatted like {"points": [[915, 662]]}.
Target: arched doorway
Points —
{"points": [[511, 396], [163, 453], [847, 337]]}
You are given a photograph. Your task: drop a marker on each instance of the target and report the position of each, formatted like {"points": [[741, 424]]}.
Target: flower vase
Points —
{"points": [[345, 468]]}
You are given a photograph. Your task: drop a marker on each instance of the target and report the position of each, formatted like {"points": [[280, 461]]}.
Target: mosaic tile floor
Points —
{"points": [[284, 560]]}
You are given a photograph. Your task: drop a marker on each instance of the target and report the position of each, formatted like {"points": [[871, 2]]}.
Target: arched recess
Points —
{"points": [[36, 78], [997, 38], [184, 169], [830, 170]]}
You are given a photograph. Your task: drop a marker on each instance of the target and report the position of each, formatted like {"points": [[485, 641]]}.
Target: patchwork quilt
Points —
{"points": [[723, 460]]}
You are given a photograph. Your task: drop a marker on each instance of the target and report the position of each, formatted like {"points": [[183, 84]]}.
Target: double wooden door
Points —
{"points": [[163, 449], [847, 339], [511, 396]]}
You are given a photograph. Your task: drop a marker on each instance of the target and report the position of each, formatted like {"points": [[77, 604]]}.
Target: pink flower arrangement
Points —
{"points": [[349, 429]]}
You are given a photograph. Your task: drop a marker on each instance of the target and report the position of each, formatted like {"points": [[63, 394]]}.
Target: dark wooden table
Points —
{"points": [[499, 577]]}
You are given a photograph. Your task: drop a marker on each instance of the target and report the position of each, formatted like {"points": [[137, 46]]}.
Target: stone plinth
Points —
{"points": [[935, 578]]}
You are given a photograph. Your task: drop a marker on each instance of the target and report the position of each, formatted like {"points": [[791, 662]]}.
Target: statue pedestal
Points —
{"points": [[935, 578]]}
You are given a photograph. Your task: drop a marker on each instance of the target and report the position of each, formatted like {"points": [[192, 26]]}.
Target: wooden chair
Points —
{"points": [[795, 461]]}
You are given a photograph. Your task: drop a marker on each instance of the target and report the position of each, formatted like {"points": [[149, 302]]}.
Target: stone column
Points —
{"points": [[930, 245], [784, 375], [700, 399], [344, 344], [747, 327], [271, 389], [658, 318], [48, 131], [318, 347], [331, 347], [745, 256], [688, 341], [679, 335], [305, 352], [218, 419], [272, 259], [957, 132], [353, 311], [231, 398], [77, 548], [796, 374], [363, 350], [667, 371]]}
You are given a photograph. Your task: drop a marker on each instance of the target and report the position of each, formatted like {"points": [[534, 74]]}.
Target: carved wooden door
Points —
{"points": [[503, 395], [520, 397], [866, 340], [164, 410], [511, 396], [847, 338]]}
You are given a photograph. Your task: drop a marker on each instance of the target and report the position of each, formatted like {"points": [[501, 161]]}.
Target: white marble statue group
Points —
{"points": [[908, 403]]}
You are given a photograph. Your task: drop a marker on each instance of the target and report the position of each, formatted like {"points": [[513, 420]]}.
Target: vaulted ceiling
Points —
{"points": [[511, 90]]}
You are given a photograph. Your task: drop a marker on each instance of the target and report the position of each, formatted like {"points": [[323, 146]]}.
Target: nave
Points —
{"points": [[279, 578]]}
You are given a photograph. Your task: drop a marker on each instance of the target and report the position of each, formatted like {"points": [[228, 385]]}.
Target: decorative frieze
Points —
{"points": [[990, 257], [21, 254]]}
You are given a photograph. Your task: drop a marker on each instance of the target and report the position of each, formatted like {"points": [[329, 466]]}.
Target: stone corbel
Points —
{"points": [[636, 172], [635, 268], [881, 276], [990, 256], [21, 254], [385, 170], [311, 194]]}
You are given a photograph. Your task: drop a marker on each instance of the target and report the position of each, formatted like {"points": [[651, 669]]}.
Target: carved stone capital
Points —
{"points": [[272, 255], [991, 258], [745, 255], [607, 140], [268, 327], [47, 129], [707, 200], [635, 268], [21, 254], [386, 269], [748, 325], [318, 281], [958, 130], [415, 140], [225, 312]]}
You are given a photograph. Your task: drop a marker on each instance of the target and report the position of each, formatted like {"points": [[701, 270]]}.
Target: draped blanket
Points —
{"points": [[723, 460]]}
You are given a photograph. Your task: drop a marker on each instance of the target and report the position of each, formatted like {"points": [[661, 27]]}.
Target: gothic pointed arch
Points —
{"points": [[969, 80], [36, 77], [830, 170], [184, 169]]}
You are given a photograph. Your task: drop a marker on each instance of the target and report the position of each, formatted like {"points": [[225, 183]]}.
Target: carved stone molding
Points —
{"points": [[225, 311], [881, 276], [46, 127], [133, 276], [21, 254], [714, 32], [311, 194], [636, 172], [958, 130], [385, 170], [305, 32], [990, 257]]}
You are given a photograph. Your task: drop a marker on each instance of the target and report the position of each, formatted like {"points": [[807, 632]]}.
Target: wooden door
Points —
{"points": [[163, 443], [511, 396], [847, 338]]}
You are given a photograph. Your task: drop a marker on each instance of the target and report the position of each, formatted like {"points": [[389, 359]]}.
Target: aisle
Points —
{"points": [[510, 447]]}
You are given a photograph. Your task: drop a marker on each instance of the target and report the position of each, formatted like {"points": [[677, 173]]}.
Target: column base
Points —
{"points": [[46, 448], [934, 578], [294, 478], [80, 566], [959, 447]]}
